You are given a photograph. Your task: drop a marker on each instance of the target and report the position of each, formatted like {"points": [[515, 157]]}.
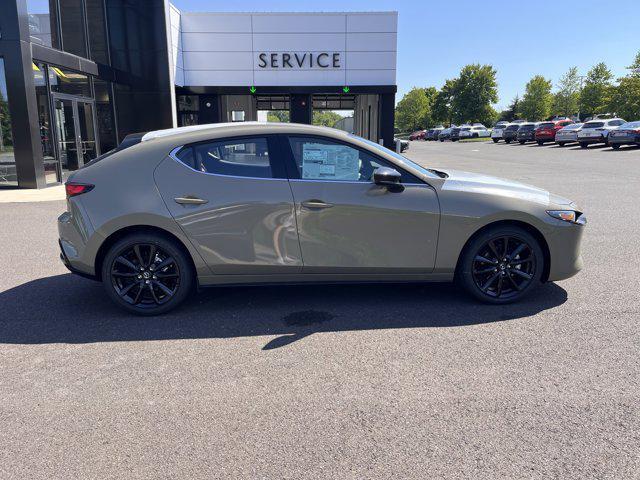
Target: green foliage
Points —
{"points": [[325, 118], [5, 124], [565, 100], [513, 111], [596, 94], [473, 93], [441, 108], [278, 116], [537, 99], [625, 97], [413, 110]]}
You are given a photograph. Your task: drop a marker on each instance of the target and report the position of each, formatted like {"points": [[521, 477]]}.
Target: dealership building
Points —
{"points": [[77, 76]]}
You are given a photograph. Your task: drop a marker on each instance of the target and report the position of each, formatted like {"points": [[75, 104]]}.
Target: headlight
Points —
{"points": [[570, 216]]}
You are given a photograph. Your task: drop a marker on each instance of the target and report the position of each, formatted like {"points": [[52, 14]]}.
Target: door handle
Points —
{"points": [[316, 204], [190, 200]]}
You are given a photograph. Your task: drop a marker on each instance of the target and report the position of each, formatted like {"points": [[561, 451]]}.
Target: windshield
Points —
{"points": [[546, 125], [402, 159], [465, 129]]}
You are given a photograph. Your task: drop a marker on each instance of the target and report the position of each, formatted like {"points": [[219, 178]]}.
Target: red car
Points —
{"points": [[546, 131], [417, 135]]}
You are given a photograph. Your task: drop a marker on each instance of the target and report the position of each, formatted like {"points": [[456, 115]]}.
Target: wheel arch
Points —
{"points": [[135, 229], [514, 223]]}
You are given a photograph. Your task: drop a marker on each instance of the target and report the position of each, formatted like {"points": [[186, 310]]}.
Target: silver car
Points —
{"points": [[284, 203], [568, 134], [597, 131]]}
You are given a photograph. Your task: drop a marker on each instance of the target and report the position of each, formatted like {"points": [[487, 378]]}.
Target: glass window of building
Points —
{"points": [[188, 109], [8, 174], [72, 25], [97, 26], [44, 122], [69, 82], [104, 112], [43, 23]]}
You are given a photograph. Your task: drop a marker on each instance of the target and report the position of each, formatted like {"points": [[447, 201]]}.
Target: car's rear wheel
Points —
{"points": [[583, 145], [522, 142], [615, 146], [147, 274], [561, 144], [507, 141], [501, 265], [540, 142], [496, 140]]}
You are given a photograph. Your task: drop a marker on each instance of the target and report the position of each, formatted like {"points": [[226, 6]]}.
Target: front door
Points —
{"points": [[232, 199], [75, 133], [348, 224]]}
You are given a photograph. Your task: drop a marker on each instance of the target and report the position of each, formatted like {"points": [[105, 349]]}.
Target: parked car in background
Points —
{"points": [[417, 135], [157, 232], [510, 133], [445, 134], [476, 131], [568, 134], [433, 133], [627, 134], [455, 133], [546, 131], [527, 132], [597, 131], [404, 144], [498, 128]]}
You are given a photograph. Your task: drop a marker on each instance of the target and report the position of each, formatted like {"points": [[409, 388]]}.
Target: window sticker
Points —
{"points": [[330, 162]]}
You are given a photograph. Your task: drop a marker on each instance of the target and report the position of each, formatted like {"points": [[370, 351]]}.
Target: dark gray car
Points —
{"points": [[282, 203]]}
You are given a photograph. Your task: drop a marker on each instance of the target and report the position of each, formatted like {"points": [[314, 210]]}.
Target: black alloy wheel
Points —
{"points": [[502, 265], [147, 274]]}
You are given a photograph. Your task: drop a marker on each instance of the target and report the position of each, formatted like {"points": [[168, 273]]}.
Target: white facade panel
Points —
{"points": [[218, 49], [300, 42], [218, 61], [371, 42], [372, 22], [299, 23], [216, 22], [216, 42]]}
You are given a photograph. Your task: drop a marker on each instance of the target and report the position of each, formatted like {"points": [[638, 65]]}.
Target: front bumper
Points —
{"points": [[564, 243]]}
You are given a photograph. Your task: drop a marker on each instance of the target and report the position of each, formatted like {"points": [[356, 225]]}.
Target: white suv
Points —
{"points": [[496, 133], [477, 130], [597, 131]]}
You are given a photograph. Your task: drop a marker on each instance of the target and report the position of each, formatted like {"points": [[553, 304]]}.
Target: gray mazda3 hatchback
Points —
{"points": [[284, 203]]}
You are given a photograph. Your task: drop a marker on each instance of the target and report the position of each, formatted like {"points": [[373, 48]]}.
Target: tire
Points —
{"points": [[561, 144], [540, 142], [132, 284], [507, 141], [584, 145], [470, 273], [615, 147], [441, 139], [522, 142], [496, 140]]}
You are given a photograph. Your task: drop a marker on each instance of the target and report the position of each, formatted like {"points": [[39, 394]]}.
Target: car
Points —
{"points": [[510, 133], [597, 131], [445, 134], [526, 132], [546, 131], [568, 134], [433, 133], [627, 134], [455, 132], [417, 135], [476, 131], [257, 203], [498, 128]]}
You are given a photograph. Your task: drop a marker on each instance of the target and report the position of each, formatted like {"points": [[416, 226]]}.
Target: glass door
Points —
{"points": [[67, 139], [75, 133]]}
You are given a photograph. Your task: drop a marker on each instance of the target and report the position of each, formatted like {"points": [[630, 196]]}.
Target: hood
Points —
{"points": [[485, 184]]}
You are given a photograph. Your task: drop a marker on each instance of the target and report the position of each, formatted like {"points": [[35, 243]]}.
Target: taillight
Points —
{"points": [[74, 189]]}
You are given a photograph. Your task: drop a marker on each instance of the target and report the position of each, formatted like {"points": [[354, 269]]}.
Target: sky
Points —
{"points": [[520, 39]]}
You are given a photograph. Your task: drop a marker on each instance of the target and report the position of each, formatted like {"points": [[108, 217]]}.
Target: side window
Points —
{"points": [[324, 159], [240, 157], [616, 123]]}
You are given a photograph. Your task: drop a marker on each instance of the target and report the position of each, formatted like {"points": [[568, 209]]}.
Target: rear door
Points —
{"points": [[232, 199], [347, 223]]}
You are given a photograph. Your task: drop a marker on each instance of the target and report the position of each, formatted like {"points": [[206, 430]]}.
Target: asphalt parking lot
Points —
{"points": [[403, 381]]}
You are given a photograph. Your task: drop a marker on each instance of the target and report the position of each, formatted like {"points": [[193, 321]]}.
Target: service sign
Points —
{"points": [[299, 60]]}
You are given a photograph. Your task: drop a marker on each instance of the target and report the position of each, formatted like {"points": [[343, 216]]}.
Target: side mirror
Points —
{"points": [[387, 177]]}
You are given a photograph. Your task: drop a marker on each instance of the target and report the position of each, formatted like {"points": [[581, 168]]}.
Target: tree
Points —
{"points": [[596, 94], [278, 116], [5, 123], [325, 118], [430, 93], [473, 93], [565, 100], [537, 99], [412, 110], [625, 98], [513, 110], [441, 108]]}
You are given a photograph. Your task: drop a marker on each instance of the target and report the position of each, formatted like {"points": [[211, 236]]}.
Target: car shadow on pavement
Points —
{"points": [[70, 309]]}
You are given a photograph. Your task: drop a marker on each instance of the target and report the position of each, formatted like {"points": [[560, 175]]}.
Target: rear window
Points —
{"points": [[593, 125], [616, 123], [546, 125], [511, 128], [529, 126], [631, 125], [575, 126]]}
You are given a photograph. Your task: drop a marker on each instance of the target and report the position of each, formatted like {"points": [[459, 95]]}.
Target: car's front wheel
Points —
{"points": [[561, 144], [496, 140], [501, 265], [583, 145], [615, 146], [147, 274]]}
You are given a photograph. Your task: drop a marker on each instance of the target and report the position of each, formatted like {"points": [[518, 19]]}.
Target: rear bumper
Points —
{"points": [[598, 139], [65, 261], [545, 138], [627, 140]]}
